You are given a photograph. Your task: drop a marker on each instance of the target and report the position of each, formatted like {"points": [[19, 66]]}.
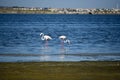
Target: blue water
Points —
{"points": [[93, 37]]}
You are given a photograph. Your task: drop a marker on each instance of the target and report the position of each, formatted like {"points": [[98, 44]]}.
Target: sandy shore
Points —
{"points": [[60, 71]]}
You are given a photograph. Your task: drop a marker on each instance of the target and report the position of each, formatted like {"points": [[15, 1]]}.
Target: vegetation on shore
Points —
{"points": [[30, 10], [60, 71]]}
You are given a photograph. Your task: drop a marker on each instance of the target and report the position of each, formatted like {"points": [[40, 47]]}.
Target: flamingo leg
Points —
{"points": [[62, 44], [46, 43]]}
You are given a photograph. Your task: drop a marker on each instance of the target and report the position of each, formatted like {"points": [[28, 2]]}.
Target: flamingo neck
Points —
{"points": [[42, 37]]}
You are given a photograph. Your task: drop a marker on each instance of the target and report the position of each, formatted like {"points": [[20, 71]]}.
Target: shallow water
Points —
{"points": [[96, 34]]}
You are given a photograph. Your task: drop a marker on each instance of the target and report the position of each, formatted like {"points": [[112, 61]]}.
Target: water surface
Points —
{"points": [[89, 34]]}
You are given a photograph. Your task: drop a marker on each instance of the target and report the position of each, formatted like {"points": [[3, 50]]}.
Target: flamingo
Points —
{"points": [[64, 40], [46, 38]]}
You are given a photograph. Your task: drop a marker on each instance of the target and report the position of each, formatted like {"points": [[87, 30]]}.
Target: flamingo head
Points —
{"points": [[67, 41], [41, 34]]}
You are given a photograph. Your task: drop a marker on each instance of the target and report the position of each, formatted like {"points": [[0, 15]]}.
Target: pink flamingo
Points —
{"points": [[46, 38], [64, 40]]}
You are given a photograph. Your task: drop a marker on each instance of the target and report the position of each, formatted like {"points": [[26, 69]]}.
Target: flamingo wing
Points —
{"points": [[62, 37], [46, 37]]}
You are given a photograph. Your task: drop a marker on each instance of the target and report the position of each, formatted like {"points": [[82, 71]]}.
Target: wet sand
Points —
{"points": [[89, 70]]}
